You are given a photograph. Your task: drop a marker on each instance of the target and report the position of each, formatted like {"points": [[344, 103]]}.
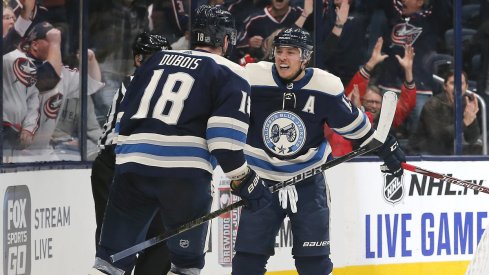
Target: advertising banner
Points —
{"points": [[48, 222], [379, 225], [382, 225]]}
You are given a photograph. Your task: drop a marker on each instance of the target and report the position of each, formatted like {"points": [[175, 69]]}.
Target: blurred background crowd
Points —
{"points": [[372, 45]]}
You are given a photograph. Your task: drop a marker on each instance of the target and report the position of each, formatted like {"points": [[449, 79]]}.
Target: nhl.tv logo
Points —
{"points": [[17, 231]]}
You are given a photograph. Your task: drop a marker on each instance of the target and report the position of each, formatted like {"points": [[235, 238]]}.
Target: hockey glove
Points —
{"points": [[392, 155], [253, 190]]}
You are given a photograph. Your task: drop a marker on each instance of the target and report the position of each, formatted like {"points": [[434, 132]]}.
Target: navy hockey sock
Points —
{"points": [[249, 264], [188, 261], [320, 265]]}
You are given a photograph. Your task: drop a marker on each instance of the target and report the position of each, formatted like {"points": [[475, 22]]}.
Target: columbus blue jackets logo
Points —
{"points": [[52, 106], [393, 188], [405, 34], [284, 133], [25, 71]]}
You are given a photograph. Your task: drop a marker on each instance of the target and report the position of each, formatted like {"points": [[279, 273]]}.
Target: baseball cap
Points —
{"points": [[38, 32]]}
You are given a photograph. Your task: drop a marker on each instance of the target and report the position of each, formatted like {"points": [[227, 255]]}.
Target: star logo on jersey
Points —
{"points": [[393, 190], [405, 34], [281, 149], [52, 106], [25, 71], [284, 133]]}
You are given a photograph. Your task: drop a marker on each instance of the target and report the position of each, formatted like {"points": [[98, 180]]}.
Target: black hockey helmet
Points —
{"points": [[146, 44], [210, 25], [295, 37]]}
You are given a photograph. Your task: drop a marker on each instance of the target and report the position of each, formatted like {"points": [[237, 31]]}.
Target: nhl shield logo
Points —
{"points": [[393, 188], [184, 243]]}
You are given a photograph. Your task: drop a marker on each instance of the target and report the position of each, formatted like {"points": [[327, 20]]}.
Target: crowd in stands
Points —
{"points": [[371, 45]]}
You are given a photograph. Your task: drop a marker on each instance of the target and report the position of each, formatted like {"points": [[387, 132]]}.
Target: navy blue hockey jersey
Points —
{"points": [[286, 129], [180, 107]]}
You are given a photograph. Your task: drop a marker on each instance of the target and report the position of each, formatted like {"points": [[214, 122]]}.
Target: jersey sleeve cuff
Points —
{"points": [[364, 72], [21, 25], [238, 173]]}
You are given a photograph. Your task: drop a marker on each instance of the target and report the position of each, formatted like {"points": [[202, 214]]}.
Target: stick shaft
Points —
{"points": [[274, 188], [466, 184]]}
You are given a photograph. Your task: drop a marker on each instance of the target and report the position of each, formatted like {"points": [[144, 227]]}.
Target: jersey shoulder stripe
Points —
{"points": [[324, 82], [261, 74]]}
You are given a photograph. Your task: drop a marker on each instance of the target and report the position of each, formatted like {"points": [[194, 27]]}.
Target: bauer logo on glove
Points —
{"points": [[253, 184], [253, 190]]}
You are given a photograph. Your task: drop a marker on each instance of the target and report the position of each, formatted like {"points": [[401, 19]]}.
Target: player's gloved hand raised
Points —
{"points": [[392, 155], [253, 190]]}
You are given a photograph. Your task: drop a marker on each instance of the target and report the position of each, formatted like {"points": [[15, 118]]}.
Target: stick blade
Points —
{"points": [[387, 111]]}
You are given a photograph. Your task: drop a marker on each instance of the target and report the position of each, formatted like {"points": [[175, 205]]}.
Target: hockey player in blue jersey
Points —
{"points": [[290, 104], [182, 110], [155, 258]]}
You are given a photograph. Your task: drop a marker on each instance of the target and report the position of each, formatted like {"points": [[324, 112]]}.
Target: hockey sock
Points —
{"points": [[249, 264], [187, 261], [320, 265]]}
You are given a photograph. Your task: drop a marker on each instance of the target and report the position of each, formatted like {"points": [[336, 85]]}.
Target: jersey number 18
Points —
{"points": [[176, 98]]}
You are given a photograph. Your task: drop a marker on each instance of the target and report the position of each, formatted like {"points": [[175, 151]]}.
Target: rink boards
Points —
{"points": [[378, 226]]}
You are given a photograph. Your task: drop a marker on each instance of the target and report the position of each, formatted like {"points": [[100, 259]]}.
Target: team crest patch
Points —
{"points": [[393, 188], [52, 106], [405, 34], [25, 71], [284, 133]]}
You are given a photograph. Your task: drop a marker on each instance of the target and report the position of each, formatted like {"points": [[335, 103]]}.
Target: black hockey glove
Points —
{"points": [[392, 155], [253, 190]]}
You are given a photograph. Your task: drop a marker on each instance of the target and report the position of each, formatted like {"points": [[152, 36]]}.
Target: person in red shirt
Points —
{"points": [[369, 97]]}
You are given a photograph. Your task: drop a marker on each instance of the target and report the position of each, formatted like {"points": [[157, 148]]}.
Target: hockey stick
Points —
{"points": [[388, 109], [466, 184]]}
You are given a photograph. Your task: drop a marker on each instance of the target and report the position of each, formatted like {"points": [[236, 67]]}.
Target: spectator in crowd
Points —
{"points": [[369, 97], [20, 102], [337, 54], [153, 260], [169, 18], [436, 129], [371, 102], [8, 19], [418, 23], [55, 82], [66, 135], [279, 14], [407, 97], [242, 9], [13, 33]]}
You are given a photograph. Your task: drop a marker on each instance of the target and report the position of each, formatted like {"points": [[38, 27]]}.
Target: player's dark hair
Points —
{"points": [[210, 25]]}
